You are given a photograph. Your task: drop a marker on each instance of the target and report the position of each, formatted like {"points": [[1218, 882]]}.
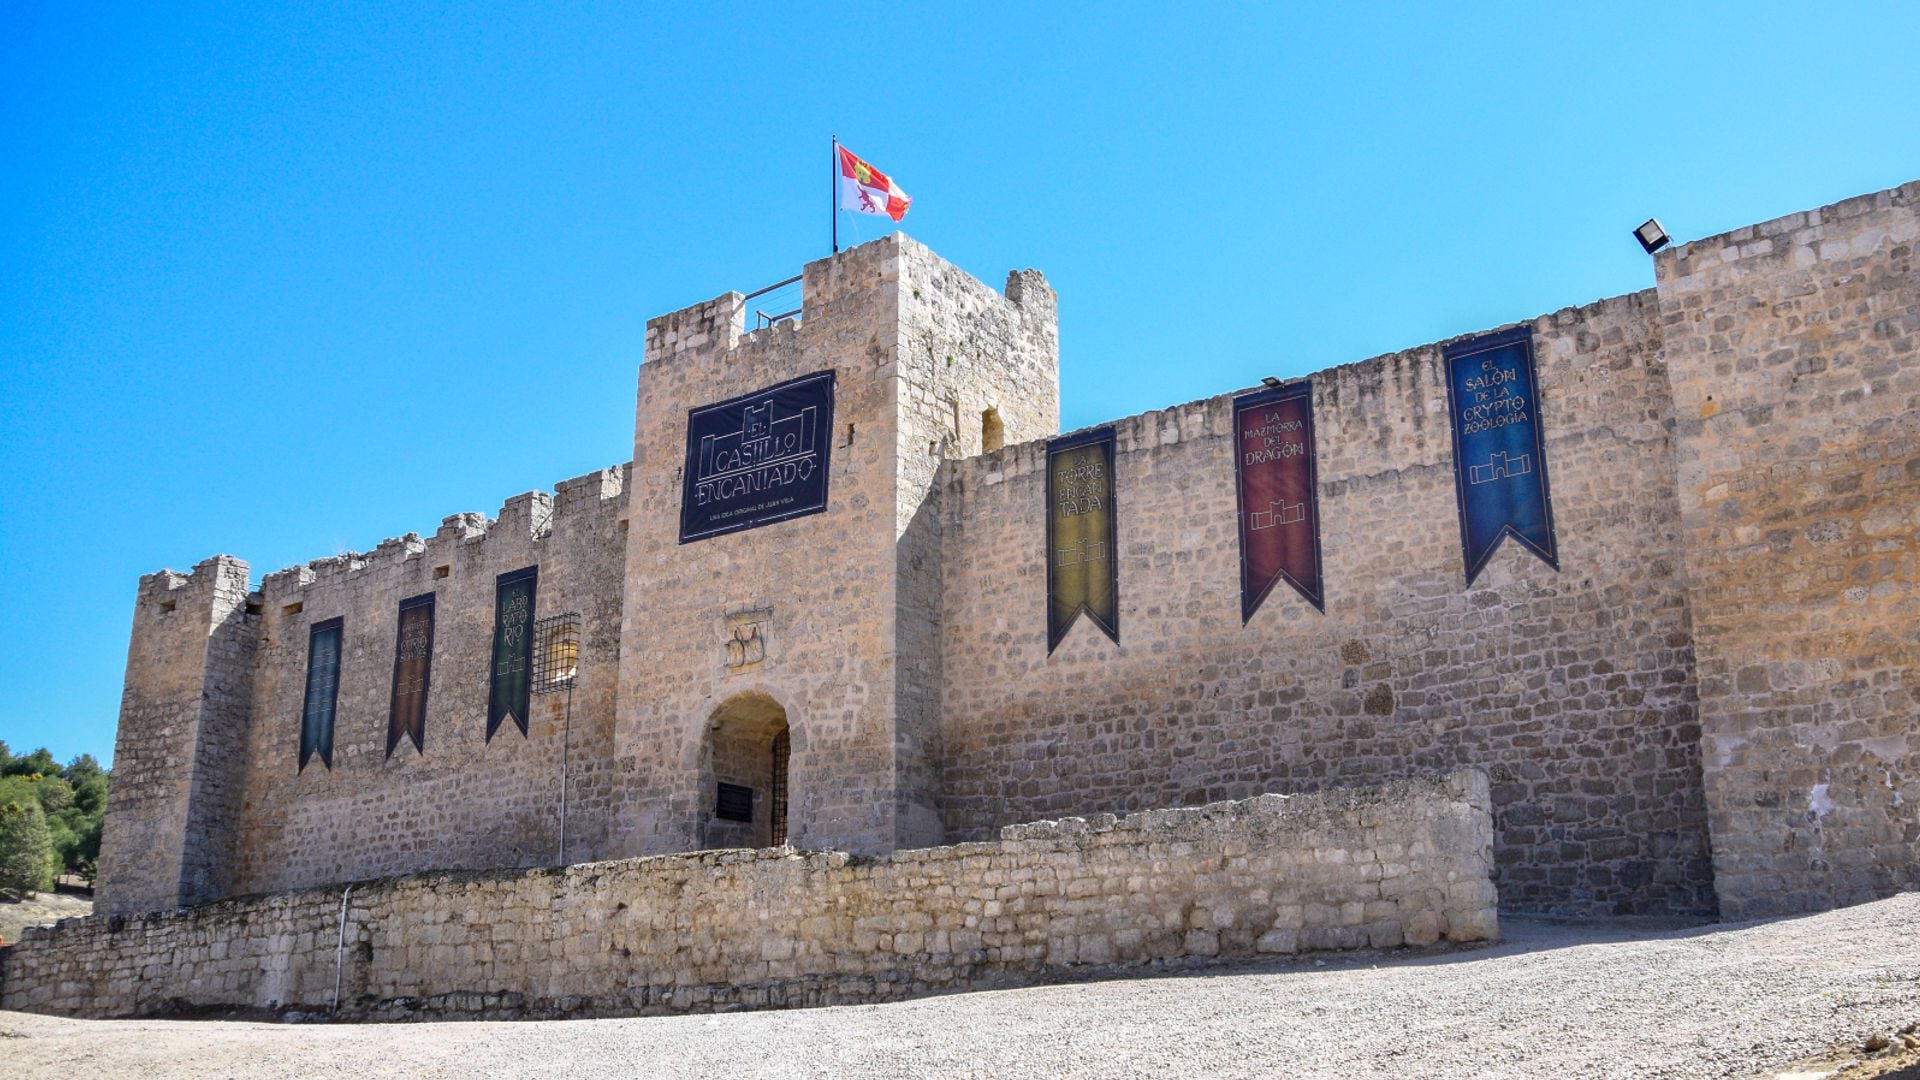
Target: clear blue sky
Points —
{"points": [[282, 283]]}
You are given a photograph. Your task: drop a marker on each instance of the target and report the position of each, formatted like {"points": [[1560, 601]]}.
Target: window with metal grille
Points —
{"points": [[777, 802]]}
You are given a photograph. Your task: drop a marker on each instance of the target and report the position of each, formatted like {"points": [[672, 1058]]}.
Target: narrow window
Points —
{"points": [[510, 685], [323, 691], [777, 793], [412, 673], [993, 434]]}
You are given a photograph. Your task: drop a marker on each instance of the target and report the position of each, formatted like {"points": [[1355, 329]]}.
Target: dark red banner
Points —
{"points": [[412, 672], [1279, 494]]}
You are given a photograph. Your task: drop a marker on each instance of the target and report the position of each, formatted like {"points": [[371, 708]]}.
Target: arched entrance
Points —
{"points": [[743, 798]]}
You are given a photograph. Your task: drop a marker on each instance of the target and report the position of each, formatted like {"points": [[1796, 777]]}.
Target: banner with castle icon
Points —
{"points": [[1278, 494], [412, 673], [1499, 461], [757, 459], [510, 686], [1082, 567]]}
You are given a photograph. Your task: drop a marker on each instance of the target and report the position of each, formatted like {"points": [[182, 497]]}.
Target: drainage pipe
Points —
{"points": [[340, 952]]}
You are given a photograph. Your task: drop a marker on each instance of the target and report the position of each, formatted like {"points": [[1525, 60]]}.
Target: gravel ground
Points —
{"points": [[1553, 999], [39, 909]]}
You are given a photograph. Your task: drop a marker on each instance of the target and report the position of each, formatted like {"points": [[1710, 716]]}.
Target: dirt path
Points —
{"points": [[40, 909], [1553, 1000]]}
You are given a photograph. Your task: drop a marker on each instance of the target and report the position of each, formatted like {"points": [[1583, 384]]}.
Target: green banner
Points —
{"points": [[1082, 566], [323, 691], [510, 688]]}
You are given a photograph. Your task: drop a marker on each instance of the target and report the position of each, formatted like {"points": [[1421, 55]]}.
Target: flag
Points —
{"points": [[866, 190]]}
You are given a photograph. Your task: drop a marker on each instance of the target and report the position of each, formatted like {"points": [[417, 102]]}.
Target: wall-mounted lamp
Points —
{"points": [[1270, 382], [1652, 236]]}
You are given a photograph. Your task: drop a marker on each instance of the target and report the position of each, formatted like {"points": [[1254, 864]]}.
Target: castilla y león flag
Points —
{"points": [[866, 190]]}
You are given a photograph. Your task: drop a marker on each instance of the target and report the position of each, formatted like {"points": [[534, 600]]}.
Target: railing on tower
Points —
{"points": [[775, 303]]}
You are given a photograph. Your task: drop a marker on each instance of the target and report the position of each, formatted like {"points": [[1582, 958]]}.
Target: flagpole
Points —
{"points": [[833, 195]]}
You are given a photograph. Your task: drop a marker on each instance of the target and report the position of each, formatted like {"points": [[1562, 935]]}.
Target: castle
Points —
{"points": [[816, 607]]}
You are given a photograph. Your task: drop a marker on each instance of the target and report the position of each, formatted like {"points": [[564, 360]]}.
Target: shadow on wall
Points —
{"points": [[742, 798]]}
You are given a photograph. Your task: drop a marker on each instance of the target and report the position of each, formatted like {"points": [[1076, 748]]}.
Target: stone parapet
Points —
{"points": [[1403, 863]]}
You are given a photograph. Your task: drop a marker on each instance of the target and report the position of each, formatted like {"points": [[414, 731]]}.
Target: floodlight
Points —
{"points": [[1652, 236]]}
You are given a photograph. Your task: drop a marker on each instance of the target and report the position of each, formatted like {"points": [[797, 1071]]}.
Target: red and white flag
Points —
{"points": [[866, 190]]}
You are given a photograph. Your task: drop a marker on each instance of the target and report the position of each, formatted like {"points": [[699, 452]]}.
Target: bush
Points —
{"points": [[72, 802], [27, 859]]}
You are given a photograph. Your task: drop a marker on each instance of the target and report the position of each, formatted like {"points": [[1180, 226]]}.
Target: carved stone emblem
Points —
{"points": [[746, 644]]}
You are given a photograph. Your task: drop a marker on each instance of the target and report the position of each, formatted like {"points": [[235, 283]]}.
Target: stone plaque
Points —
{"points": [[746, 643], [733, 803]]}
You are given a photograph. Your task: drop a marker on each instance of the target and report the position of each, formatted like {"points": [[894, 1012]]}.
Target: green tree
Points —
{"points": [[90, 794], [72, 802], [19, 791], [82, 769], [76, 839], [55, 794], [39, 763], [27, 859]]}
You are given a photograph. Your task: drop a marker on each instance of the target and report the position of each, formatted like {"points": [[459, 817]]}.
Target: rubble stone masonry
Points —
{"points": [[1406, 863], [1709, 706], [1795, 357], [1574, 689]]}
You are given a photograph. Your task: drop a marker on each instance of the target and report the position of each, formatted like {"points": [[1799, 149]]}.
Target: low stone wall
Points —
{"points": [[1402, 863]]}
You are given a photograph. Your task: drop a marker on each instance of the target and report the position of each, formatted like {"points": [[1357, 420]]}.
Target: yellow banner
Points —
{"points": [[1082, 566]]}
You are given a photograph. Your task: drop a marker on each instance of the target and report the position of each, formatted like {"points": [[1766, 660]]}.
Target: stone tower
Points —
{"points": [[821, 629], [179, 758]]}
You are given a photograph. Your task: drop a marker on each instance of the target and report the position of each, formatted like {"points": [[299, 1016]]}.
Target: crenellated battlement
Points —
{"points": [[585, 501], [1351, 398]]}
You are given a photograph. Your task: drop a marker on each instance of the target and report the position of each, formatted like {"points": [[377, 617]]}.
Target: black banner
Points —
{"points": [[510, 689], [758, 459], [412, 671], [1499, 461], [323, 691], [1082, 541], [1278, 488]]}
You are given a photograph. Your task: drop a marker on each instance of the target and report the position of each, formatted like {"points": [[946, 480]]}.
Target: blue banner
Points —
{"points": [[1499, 461]]}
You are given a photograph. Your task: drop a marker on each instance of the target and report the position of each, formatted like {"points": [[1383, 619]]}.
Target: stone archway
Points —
{"points": [[743, 776]]}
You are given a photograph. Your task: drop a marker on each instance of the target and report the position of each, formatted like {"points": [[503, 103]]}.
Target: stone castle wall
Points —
{"points": [[825, 593], [1573, 689], [1732, 461], [464, 802], [225, 672], [968, 357], [1796, 380], [1406, 863]]}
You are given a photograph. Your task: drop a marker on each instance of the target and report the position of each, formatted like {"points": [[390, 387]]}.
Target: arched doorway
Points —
{"points": [[743, 801]]}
